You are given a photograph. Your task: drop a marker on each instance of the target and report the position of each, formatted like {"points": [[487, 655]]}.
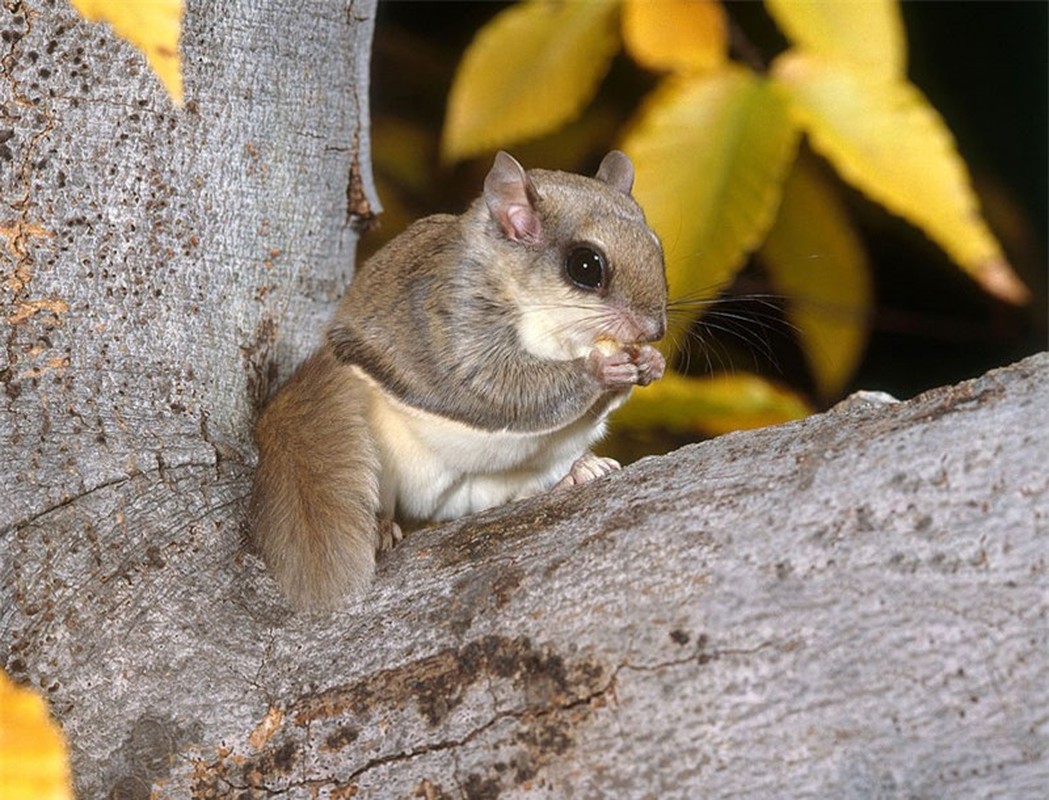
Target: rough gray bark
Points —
{"points": [[157, 266], [855, 606]]}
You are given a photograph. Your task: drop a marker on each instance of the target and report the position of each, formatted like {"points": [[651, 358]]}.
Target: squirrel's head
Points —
{"points": [[581, 263]]}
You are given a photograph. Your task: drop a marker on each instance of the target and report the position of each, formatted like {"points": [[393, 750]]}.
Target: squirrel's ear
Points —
{"points": [[617, 170], [511, 199]]}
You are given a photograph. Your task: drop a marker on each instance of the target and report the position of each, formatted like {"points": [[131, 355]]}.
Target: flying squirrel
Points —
{"points": [[473, 360]]}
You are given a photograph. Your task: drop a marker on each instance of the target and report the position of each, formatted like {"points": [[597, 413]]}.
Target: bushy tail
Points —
{"points": [[315, 499]]}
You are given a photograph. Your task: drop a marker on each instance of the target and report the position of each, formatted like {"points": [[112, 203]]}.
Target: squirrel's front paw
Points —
{"points": [[621, 369], [616, 370], [650, 365]]}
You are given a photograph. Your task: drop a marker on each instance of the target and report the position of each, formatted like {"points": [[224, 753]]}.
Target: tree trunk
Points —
{"points": [[854, 606], [161, 269]]}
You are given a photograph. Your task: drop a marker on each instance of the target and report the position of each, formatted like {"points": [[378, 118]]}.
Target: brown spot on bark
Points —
{"points": [[436, 685], [358, 208]]}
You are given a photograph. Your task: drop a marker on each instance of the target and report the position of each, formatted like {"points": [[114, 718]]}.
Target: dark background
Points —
{"points": [[983, 65]]}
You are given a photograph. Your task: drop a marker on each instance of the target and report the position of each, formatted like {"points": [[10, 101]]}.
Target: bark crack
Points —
{"points": [[528, 711], [160, 470], [531, 711], [700, 654]]}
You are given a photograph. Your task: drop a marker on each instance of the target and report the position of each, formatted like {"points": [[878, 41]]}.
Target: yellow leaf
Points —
{"points": [[711, 153], [676, 35], [153, 26], [34, 764], [885, 138], [528, 71], [709, 406], [868, 34], [814, 257]]}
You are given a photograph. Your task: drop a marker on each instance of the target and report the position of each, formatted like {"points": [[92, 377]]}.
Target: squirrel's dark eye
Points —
{"points": [[585, 267]]}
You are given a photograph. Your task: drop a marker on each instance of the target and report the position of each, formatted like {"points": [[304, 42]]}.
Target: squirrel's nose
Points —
{"points": [[654, 327]]}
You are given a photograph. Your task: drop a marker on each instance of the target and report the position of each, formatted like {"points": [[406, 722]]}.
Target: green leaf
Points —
{"points": [[709, 406], [814, 256], [885, 139], [711, 154], [868, 34], [528, 71]]}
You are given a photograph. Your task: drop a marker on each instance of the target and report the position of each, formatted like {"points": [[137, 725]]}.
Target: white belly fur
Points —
{"points": [[435, 468]]}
